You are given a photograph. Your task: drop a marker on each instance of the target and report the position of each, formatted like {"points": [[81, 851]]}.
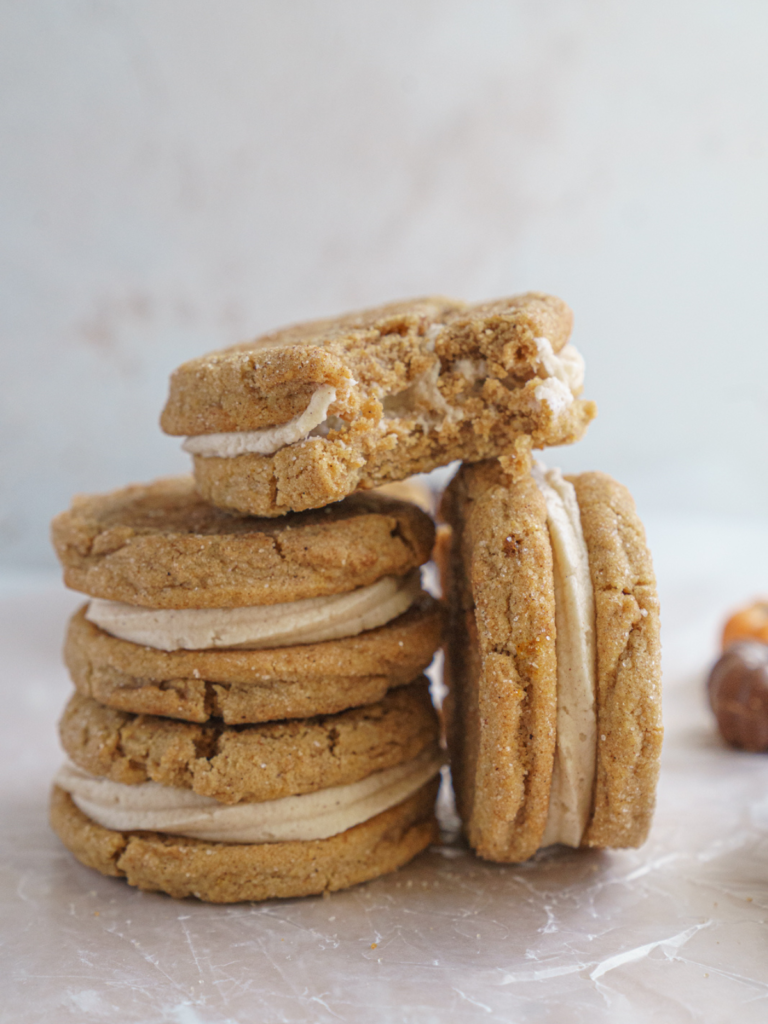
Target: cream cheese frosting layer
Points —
{"points": [[308, 621], [567, 365], [573, 775], [564, 372], [268, 441], [152, 807]]}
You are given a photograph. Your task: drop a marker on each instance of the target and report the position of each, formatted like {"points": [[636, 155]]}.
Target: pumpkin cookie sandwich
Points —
{"points": [[552, 661], [306, 415], [230, 813], [197, 614]]}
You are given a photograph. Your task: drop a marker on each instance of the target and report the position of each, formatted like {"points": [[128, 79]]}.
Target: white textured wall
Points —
{"points": [[179, 174]]}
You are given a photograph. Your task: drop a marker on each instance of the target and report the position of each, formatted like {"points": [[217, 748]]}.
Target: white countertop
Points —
{"points": [[675, 931]]}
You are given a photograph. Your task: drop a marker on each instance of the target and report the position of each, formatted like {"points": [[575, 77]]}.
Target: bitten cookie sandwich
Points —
{"points": [[230, 813], [552, 661], [306, 415], [197, 614]]}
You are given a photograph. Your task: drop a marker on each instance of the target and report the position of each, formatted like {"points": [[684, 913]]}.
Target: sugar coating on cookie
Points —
{"points": [[610, 744], [306, 415], [500, 662], [628, 668]]}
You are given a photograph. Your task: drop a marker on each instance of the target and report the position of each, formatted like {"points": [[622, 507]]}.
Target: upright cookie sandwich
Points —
{"points": [[230, 813], [304, 416], [552, 661], [196, 613]]}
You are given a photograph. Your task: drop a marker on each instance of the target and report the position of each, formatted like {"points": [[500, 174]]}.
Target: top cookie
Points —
{"points": [[159, 545], [306, 415]]}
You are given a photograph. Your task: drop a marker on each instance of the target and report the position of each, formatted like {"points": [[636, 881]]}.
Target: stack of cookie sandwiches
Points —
{"points": [[250, 719]]}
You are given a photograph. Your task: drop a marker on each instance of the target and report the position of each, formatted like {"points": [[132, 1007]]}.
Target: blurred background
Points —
{"points": [[178, 176]]}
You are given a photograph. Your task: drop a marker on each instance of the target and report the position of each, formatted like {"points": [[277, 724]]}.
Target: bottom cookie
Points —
{"points": [[232, 872]]}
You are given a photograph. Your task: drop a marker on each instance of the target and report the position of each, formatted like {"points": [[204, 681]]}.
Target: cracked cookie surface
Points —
{"points": [[253, 762], [160, 545]]}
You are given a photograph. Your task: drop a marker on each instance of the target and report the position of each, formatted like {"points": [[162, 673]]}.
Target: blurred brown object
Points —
{"points": [[738, 693], [749, 623]]}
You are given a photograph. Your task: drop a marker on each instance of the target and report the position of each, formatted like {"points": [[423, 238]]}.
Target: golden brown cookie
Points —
{"points": [[629, 730], [253, 686], [306, 415], [501, 661], [160, 545], [250, 763], [231, 872]]}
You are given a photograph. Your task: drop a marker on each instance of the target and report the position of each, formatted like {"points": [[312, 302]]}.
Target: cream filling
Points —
{"points": [[265, 442], [308, 621], [557, 395], [573, 775], [153, 807], [566, 366], [565, 375]]}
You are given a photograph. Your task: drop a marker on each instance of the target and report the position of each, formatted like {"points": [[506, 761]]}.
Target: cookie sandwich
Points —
{"points": [[231, 813], [303, 416], [552, 661], [197, 614]]}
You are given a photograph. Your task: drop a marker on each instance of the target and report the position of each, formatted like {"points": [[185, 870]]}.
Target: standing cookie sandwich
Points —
{"points": [[308, 414], [197, 614], [230, 813], [552, 661]]}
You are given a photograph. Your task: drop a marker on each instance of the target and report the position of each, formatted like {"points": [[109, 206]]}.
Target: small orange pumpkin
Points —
{"points": [[750, 623]]}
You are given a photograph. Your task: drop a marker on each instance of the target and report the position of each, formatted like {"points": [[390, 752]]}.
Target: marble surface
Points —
{"points": [[676, 930]]}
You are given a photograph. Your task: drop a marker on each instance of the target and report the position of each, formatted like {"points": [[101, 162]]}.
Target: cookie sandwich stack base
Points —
{"points": [[249, 717]]}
